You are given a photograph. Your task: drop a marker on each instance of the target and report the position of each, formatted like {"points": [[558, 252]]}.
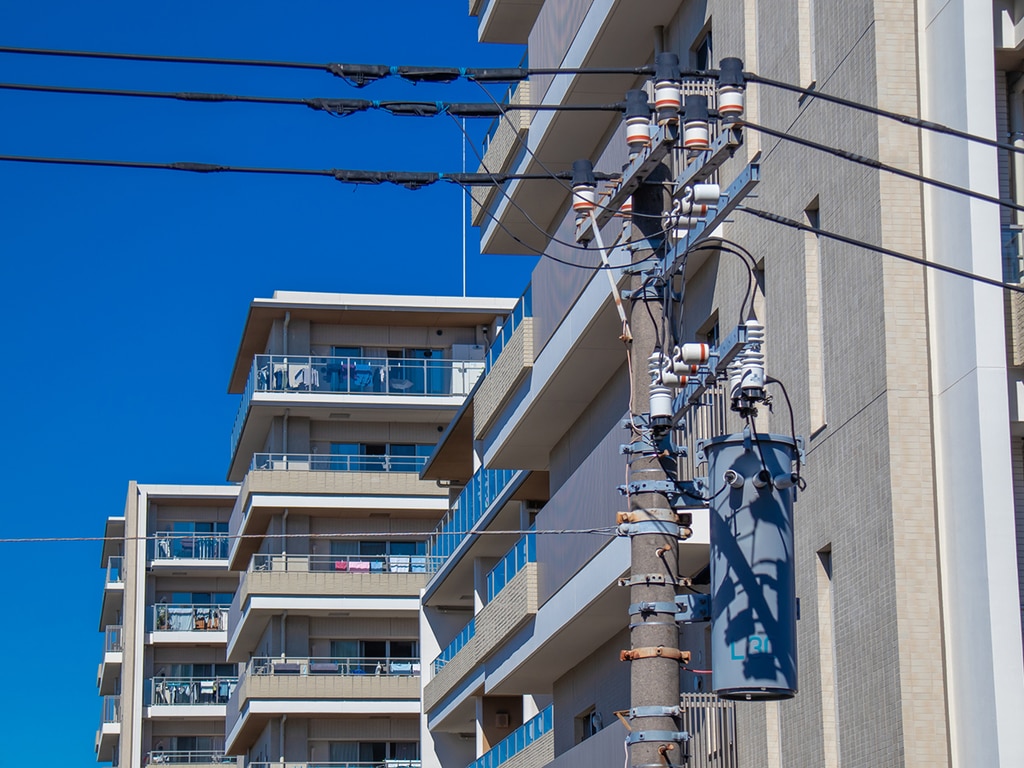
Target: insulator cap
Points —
{"points": [[666, 66], [583, 173], [730, 72], [696, 108], [637, 104]]}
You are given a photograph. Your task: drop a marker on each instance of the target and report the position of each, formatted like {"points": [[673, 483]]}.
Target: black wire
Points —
{"points": [[905, 119], [801, 484], [776, 218], [358, 74], [880, 166], [408, 179]]}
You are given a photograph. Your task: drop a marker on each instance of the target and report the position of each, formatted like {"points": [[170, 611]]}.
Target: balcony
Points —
{"points": [[113, 593], [323, 583], [318, 462], [185, 623], [109, 733], [318, 764], [319, 686], [514, 602], [196, 758], [187, 692], [478, 497], [502, 145], [172, 548], [110, 668], [379, 383], [530, 744], [524, 551], [505, 21]]}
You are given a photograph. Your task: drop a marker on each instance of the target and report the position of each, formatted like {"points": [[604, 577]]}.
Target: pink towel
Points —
{"points": [[359, 565], [341, 565]]}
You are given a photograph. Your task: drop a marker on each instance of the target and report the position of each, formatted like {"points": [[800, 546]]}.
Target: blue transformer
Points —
{"points": [[753, 583]]}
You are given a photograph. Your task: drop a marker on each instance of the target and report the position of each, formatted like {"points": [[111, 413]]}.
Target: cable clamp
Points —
{"points": [[654, 712], [648, 579], [636, 737], [647, 515], [646, 608], [653, 652], [652, 526]]}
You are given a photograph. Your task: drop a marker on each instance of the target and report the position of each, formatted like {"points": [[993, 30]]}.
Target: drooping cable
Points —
{"points": [[916, 122], [880, 166], [777, 219]]}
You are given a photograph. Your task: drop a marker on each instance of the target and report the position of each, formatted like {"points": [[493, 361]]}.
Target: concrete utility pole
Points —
{"points": [[654, 652]]}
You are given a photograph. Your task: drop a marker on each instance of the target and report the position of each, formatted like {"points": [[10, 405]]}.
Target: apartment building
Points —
{"points": [[164, 679], [905, 385], [343, 399]]}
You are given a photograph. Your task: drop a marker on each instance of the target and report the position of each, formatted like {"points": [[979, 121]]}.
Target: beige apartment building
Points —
{"points": [[343, 399], [164, 678], [905, 385]]}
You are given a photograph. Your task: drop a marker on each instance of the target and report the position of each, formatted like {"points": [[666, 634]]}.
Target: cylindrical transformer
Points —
{"points": [[753, 583]]}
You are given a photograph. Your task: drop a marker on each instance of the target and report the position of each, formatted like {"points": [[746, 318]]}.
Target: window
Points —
{"points": [[373, 751], [703, 57], [379, 457], [587, 724], [381, 556]]}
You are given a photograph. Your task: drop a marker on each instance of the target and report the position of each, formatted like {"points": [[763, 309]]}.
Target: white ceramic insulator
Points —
{"points": [[692, 354], [661, 402], [752, 359], [681, 368], [668, 96], [734, 370], [706, 194], [638, 132], [730, 101], [690, 208], [696, 134], [627, 206], [584, 198]]}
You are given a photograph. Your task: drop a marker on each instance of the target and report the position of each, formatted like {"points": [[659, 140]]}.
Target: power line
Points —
{"points": [[340, 107], [898, 117], [880, 166], [776, 218], [606, 530], [408, 179], [357, 74]]}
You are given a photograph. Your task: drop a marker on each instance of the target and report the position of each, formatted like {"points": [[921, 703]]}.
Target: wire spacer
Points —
{"points": [[652, 652]]}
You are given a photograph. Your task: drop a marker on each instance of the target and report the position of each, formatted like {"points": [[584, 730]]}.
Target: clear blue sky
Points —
{"points": [[124, 292]]}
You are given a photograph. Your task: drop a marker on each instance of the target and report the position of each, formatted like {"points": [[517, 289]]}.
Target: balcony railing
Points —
{"points": [[319, 462], [711, 723], [319, 764], [356, 375], [468, 633], [191, 757], [111, 709], [195, 546], [524, 551], [115, 565], [476, 498], [189, 691], [398, 666], [188, 618], [344, 563], [113, 639], [517, 741], [523, 308]]}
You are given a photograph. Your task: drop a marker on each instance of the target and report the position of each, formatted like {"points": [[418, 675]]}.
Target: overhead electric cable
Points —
{"points": [[358, 74], [326, 104], [408, 179], [880, 166], [776, 218], [898, 117]]}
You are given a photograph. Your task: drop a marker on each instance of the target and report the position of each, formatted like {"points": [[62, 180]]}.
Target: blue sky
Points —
{"points": [[124, 292]]}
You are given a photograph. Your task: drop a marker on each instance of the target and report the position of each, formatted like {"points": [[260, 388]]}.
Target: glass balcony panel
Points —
{"points": [[111, 709], [523, 308], [114, 570], [516, 741], [191, 757], [189, 691], [523, 552], [476, 498], [196, 546], [318, 462], [113, 640], [395, 666], [456, 645], [187, 618], [420, 376]]}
